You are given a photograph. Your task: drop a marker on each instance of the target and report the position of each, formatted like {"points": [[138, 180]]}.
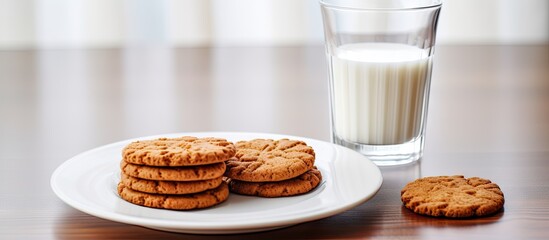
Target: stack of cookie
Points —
{"points": [[272, 168], [175, 173]]}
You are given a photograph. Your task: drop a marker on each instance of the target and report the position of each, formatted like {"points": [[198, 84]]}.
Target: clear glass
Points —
{"points": [[380, 55]]}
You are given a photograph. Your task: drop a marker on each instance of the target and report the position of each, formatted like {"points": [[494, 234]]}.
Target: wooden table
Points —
{"points": [[488, 117]]}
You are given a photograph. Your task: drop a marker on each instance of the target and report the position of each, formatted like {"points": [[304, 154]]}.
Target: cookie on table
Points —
{"points": [[199, 200], [169, 187], [183, 151], [453, 196], [267, 160], [190, 173], [301, 184]]}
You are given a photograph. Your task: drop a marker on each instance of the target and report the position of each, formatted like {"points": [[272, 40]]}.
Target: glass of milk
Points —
{"points": [[380, 56]]}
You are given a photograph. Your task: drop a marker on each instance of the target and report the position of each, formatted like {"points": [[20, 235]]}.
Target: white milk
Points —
{"points": [[378, 91]]}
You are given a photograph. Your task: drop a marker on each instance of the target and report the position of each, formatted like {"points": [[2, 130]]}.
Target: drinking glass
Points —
{"points": [[380, 56]]}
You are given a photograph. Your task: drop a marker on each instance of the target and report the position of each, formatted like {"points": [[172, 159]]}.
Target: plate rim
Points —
{"points": [[171, 225]]}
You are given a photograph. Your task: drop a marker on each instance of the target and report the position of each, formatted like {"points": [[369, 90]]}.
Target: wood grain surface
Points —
{"points": [[488, 117]]}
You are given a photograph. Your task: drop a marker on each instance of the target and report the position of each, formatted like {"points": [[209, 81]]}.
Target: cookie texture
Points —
{"points": [[453, 196], [183, 151], [204, 199], [299, 185], [169, 187], [267, 160], [190, 173]]}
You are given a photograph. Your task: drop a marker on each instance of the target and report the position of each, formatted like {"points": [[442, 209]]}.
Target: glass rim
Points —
{"points": [[435, 4]]}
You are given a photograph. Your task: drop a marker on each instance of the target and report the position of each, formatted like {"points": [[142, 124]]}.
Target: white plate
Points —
{"points": [[88, 181]]}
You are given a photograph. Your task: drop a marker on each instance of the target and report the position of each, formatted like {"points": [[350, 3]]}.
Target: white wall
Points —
{"points": [[494, 21], [113, 23]]}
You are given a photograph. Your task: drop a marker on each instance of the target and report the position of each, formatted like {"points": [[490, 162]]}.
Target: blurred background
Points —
{"points": [[28, 24], [89, 69]]}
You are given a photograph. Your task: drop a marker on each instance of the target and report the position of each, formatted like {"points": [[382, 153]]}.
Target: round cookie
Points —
{"points": [[452, 196], [191, 173], [175, 202], [266, 160], [183, 151], [302, 184], [169, 187]]}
